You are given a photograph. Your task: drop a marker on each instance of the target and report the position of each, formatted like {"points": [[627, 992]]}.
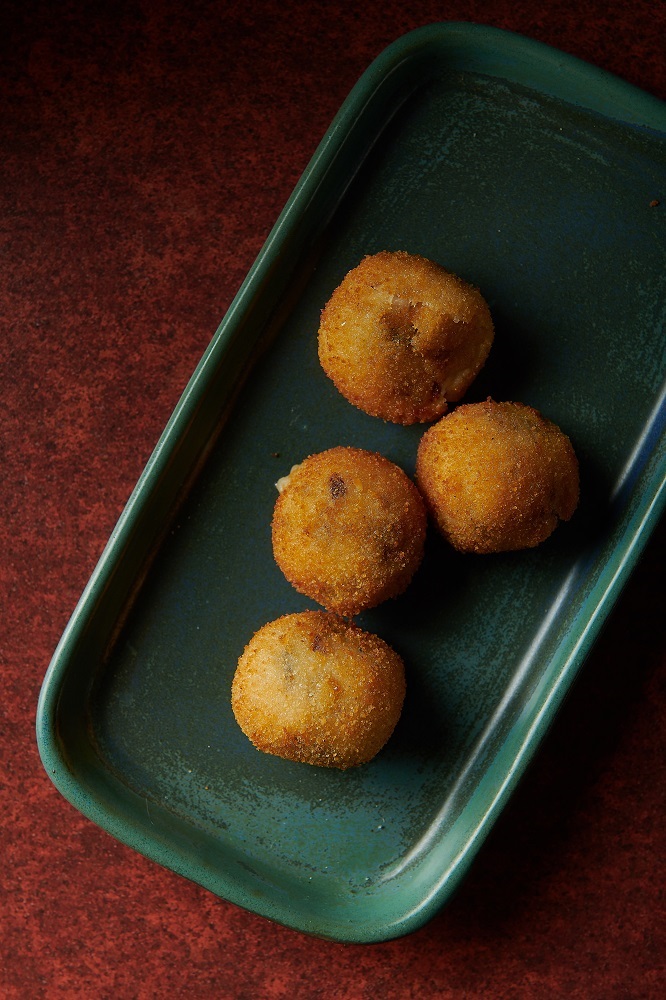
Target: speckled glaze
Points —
{"points": [[534, 177]]}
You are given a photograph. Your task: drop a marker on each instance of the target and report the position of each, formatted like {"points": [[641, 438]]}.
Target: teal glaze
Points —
{"points": [[531, 174]]}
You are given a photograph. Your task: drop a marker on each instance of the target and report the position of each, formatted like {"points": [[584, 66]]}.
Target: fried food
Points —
{"points": [[348, 529], [401, 337], [497, 476], [313, 688]]}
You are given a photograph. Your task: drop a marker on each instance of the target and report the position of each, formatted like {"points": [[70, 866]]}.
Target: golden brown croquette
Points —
{"points": [[313, 688], [401, 337], [497, 476], [348, 529]]}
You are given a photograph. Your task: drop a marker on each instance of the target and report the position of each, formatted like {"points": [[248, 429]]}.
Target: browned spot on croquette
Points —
{"points": [[336, 485], [398, 321], [287, 667]]}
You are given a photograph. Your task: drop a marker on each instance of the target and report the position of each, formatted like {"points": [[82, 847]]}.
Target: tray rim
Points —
{"points": [[470, 47]]}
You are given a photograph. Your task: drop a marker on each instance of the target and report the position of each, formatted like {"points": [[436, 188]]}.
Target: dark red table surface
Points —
{"points": [[147, 148]]}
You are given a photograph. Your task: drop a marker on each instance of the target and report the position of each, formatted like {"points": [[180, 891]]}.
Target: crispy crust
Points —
{"points": [[313, 688], [497, 476], [348, 529], [401, 337]]}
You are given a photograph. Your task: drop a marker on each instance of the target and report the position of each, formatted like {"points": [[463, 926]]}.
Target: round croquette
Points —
{"points": [[497, 476], [313, 688], [401, 337], [348, 529]]}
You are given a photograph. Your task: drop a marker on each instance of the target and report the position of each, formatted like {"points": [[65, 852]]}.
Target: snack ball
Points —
{"points": [[348, 529], [313, 688], [401, 337], [497, 476]]}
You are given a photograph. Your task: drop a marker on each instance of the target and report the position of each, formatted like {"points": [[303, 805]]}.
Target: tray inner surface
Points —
{"points": [[547, 209]]}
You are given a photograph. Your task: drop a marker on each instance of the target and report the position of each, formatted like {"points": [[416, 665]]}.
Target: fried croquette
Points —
{"points": [[401, 337], [348, 529], [497, 476], [313, 688]]}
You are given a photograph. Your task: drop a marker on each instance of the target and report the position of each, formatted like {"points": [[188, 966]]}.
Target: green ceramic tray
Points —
{"points": [[532, 175]]}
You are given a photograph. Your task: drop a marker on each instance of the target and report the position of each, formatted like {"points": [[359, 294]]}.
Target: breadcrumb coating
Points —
{"points": [[401, 337], [313, 688], [497, 476], [348, 529]]}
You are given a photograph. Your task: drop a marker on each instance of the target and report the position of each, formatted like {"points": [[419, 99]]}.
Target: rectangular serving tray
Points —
{"points": [[534, 176]]}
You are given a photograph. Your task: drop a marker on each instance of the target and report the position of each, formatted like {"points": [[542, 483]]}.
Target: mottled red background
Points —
{"points": [[146, 150]]}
